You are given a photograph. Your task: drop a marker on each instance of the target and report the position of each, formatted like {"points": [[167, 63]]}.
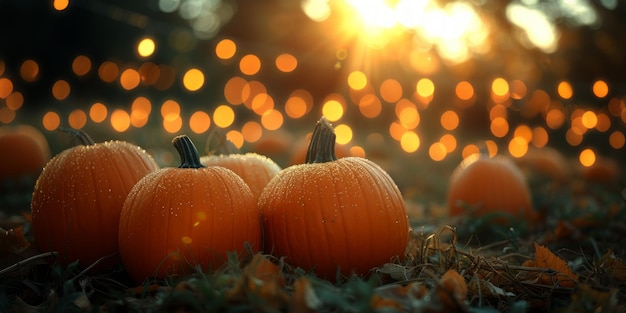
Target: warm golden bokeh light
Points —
{"points": [[518, 147], [449, 141], [410, 141], [370, 106], [523, 131], [61, 89], [120, 120], [223, 116], [173, 125], [437, 151], [589, 119], [600, 88], [604, 122], [573, 138], [357, 80], [250, 92], [343, 133], [235, 137], [449, 120], [272, 119], [250, 64], [425, 88], [262, 103], [396, 130], [6, 87], [77, 119], [108, 71], [492, 147], [141, 107], [233, 90], [409, 117], [60, 5], [565, 90], [150, 73], [252, 131], [15, 101], [617, 139], [98, 112], [499, 127], [332, 110], [167, 77], [391, 90], [300, 102], [146, 47], [170, 110], [193, 79], [587, 157], [555, 118], [464, 90], [130, 79], [199, 122], [225, 49], [500, 87], [286, 62], [81, 65], [470, 149], [29, 70], [51, 120]]}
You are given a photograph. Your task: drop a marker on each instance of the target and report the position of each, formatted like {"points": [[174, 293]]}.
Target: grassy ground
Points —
{"points": [[570, 262]]}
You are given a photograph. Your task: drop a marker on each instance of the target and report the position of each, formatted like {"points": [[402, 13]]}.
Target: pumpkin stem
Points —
{"points": [[80, 136], [217, 143], [188, 153], [322, 146]]}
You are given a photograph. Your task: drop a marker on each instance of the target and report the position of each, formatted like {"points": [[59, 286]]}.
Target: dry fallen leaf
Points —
{"points": [[614, 265], [263, 279], [545, 259]]}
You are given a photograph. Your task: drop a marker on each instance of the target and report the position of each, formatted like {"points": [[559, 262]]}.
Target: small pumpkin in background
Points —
{"points": [[255, 169], [545, 162], [605, 171], [25, 151], [178, 218], [333, 216], [482, 185], [275, 145], [79, 195]]}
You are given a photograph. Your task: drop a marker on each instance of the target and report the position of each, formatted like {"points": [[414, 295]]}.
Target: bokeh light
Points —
{"points": [[98, 112], [193, 79], [225, 49], [199, 122], [587, 157], [120, 120], [286, 62], [146, 47], [250, 64], [223, 116]]}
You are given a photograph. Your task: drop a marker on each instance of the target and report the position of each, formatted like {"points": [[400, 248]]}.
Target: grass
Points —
{"points": [[584, 225]]}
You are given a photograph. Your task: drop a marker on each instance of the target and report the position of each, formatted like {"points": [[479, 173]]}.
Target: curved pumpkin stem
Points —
{"points": [[188, 153], [79, 135], [322, 146]]}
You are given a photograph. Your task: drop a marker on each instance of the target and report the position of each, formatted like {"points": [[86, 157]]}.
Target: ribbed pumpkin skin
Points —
{"points": [[79, 195], [345, 215], [489, 185], [25, 152], [255, 169], [178, 217]]}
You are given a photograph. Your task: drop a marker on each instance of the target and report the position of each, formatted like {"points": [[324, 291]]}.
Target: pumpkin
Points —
{"points": [[487, 185], [181, 217], [78, 197], [605, 171], [25, 152], [545, 162], [333, 216], [255, 169]]}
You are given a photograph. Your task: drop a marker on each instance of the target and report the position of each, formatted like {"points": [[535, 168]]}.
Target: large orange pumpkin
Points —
{"points": [[255, 169], [25, 152], [483, 185], [178, 218], [333, 216], [79, 195]]}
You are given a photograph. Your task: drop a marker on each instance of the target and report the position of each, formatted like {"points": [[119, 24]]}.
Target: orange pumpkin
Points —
{"points": [[25, 152], [177, 218], [487, 185], [255, 169], [333, 215], [79, 195], [545, 162]]}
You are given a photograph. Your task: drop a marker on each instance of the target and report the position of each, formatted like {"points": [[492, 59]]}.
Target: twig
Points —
{"points": [[24, 262]]}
